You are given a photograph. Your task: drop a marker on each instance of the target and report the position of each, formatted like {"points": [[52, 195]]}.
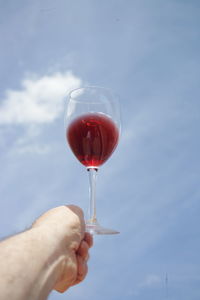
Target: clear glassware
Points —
{"points": [[92, 123]]}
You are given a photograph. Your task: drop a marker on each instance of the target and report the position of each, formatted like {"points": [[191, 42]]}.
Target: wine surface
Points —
{"points": [[92, 137]]}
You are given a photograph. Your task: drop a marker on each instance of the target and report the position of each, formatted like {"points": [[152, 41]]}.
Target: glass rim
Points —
{"points": [[90, 87], [115, 100]]}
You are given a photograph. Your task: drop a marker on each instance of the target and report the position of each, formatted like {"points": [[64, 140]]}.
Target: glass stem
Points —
{"points": [[92, 194]]}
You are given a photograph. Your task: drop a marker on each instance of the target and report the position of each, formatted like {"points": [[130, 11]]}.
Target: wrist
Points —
{"points": [[52, 251], [49, 237], [60, 263]]}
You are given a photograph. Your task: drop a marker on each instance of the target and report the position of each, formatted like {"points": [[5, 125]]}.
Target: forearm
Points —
{"points": [[29, 265]]}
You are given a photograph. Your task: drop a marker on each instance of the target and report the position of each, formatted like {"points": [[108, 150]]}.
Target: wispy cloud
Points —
{"points": [[40, 99], [29, 143]]}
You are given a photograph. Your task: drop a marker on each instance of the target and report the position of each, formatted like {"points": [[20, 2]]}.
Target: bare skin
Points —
{"points": [[52, 254]]}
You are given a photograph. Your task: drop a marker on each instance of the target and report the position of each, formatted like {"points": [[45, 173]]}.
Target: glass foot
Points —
{"points": [[95, 228]]}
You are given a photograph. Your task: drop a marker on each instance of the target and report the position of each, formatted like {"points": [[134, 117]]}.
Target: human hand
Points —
{"points": [[67, 227]]}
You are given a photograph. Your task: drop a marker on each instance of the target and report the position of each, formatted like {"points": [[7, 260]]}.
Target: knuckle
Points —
{"points": [[76, 209]]}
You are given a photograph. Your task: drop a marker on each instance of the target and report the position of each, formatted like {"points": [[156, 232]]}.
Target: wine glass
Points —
{"points": [[92, 123]]}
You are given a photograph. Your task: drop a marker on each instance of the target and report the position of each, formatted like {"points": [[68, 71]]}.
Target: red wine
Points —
{"points": [[92, 137]]}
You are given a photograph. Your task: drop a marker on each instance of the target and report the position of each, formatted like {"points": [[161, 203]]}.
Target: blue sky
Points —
{"points": [[148, 53]]}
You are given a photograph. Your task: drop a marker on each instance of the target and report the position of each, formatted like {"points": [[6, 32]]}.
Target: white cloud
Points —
{"points": [[40, 100]]}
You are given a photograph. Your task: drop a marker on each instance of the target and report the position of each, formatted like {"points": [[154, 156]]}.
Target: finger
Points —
{"points": [[82, 277], [62, 287], [83, 250], [79, 212], [87, 257], [89, 239], [82, 270]]}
